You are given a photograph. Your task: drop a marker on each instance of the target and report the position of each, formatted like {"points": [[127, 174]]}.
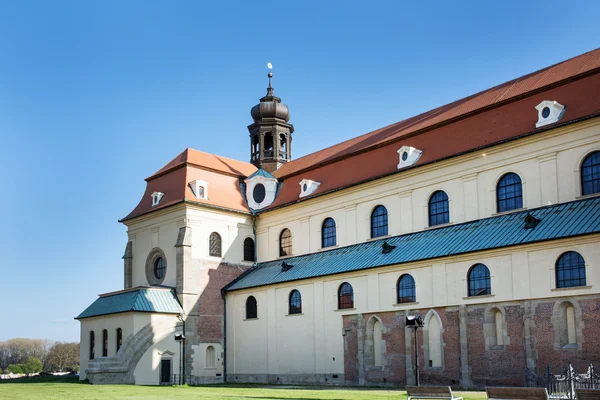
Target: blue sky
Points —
{"points": [[96, 96]]}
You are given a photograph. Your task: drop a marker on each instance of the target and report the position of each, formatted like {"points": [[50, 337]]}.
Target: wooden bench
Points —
{"points": [[588, 394], [430, 392], [516, 393]]}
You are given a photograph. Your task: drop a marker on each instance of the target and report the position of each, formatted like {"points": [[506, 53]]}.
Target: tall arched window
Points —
{"points": [[328, 236], [211, 361], [377, 344], [405, 289], [379, 222], [479, 280], [345, 296], [295, 302], [92, 345], [119, 338], [285, 243], [249, 250], [104, 343], [590, 174], [251, 308], [214, 244], [570, 270], [439, 210], [434, 341], [509, 193]]}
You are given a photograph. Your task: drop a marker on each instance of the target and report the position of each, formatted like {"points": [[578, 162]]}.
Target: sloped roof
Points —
{"points": [[207, 161], [557, 222], [154, 300]]}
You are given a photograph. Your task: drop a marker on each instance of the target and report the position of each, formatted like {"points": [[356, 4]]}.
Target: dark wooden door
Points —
{"points": [[165, 371]]}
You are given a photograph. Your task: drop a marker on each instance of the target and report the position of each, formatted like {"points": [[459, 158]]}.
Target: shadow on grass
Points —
{"points": [[43, 379]]}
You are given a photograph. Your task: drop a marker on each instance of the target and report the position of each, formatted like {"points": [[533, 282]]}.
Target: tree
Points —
{"points": [[63, 357], [18, 351], [32, 365], [15, 369]]}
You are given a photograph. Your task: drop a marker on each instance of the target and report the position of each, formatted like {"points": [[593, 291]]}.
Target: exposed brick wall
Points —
{"points": [[496, 365]]}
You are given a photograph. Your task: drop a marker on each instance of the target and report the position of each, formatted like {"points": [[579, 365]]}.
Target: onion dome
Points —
{"points": [[270, 106]]}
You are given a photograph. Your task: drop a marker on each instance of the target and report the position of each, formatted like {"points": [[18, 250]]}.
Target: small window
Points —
{"points": [[249, 250], [590, 174], [345, 296], [406, 289], [439, 210], [285, 243], [104, 343], [159, 268], [509, 193], [570, 270], [211, 361], [479, 280], [328, 235], [295, 302], [251, 308], [214, 245], [92, 345], [119, 338], [379, 222]]}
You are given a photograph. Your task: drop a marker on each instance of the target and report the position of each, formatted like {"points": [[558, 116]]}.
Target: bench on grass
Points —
{"points": [[516, 393], [588, 394], [430, 392]]}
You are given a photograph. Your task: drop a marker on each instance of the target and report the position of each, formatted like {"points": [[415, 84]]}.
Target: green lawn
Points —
{"points": [[66, 389]]}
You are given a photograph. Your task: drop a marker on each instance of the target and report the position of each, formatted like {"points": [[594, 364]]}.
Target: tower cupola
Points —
{"points": [[270, 134]]}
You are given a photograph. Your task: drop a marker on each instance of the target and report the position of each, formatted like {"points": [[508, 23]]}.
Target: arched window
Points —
{"points": [[434, 341], [345, 296], [494, 329], [214, 245], [268, 142], [295, 302], [249, 250], [590, 174], [119, 338], [104, 343], [405, 289], [251, 309], [328, 237], [570, 270], [439, 210], [565, 319], [479, 280], [211, 361], [285, 243], [92, 345], [159, 268], [509, 193], [379, 222]]}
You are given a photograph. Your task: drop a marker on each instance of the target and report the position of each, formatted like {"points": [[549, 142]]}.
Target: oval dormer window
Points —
{"points": [[404, 156], [259, 193], [546, 112]]}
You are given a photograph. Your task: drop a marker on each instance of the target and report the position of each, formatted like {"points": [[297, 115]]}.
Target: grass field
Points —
{"points": [[68, 388]]}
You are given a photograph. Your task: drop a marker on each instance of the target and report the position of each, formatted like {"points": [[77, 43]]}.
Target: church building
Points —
{"points": [[481, 216]]}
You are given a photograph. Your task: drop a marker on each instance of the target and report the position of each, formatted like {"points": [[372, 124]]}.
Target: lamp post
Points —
{"points": [[180, 337], [415, 322]]}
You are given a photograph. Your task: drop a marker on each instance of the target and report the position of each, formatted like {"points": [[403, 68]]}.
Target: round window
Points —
{"points": [[259, 193], [304, 187], [546, 112], [404, 156], [159, 268]]}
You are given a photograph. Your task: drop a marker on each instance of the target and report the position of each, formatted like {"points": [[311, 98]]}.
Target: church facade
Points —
{"points": [[482, 217]]}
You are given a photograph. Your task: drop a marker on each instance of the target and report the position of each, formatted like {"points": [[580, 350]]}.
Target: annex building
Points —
{"points": [[482, 216]]}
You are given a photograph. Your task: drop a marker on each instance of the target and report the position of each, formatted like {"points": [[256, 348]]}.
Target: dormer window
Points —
{"points": [[156, 198], [408, 156], [549, 112], [308, 187], [199, 189], [261, 188]]}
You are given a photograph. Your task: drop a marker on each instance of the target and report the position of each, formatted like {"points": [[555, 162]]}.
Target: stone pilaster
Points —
{"points": [[360, 355], [128, 266], [465, 372], [529, 334]]}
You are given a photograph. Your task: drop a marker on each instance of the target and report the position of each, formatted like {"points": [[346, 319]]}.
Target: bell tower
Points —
{"points": [[270, 134]]}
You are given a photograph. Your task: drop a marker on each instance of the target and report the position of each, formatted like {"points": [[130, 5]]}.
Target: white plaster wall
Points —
{"points": [[548, 165], [200, 365], [277, 343], [125, 321]]}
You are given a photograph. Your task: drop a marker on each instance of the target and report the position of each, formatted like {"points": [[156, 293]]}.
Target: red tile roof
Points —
{"points": [[498, 114]]}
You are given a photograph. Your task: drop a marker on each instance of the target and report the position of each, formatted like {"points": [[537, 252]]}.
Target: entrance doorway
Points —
{"points": [[165, 372]]}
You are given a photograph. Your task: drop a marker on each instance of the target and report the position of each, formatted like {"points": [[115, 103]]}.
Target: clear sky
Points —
{"points": [[96, 96]]}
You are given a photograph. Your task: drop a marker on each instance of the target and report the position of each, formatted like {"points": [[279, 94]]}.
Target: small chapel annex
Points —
{"points": [[482, 216]]}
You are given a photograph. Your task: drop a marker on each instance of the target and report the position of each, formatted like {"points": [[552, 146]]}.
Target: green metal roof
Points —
{"points": [[142, 300], [263, 173], [556, 222]]}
